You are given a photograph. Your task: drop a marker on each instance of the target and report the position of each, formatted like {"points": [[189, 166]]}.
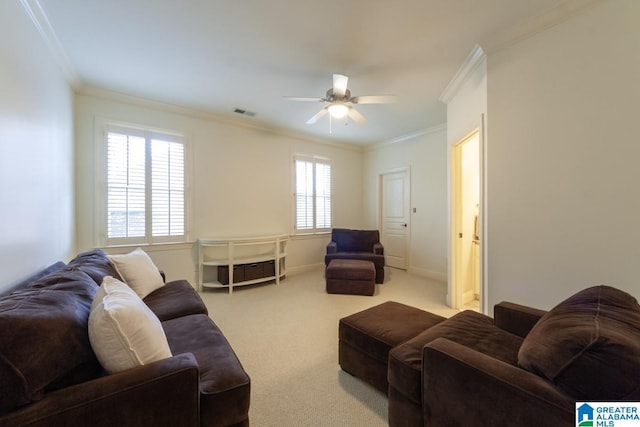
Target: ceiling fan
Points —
{"points": [[340, 102]]}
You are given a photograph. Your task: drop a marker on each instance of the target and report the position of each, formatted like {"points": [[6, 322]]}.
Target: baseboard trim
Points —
{"points": [[304, 268], [422, 272], [429, 274]]}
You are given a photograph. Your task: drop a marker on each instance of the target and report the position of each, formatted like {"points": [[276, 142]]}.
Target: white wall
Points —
{"points": [[241, 182], [36, 164], [563, 152], [426, 155]]}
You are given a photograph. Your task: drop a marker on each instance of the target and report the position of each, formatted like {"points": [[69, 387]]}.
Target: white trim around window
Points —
{"points": [[142, 183], [312, 195]]}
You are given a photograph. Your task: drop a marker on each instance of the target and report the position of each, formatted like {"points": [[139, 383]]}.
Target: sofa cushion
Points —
{"points": [[588, 345], [175, 299], [96, 264], [43, 337], [138, 271], [123, 331], [224, 385], [63, 279], [20, 285], [469, 328]]}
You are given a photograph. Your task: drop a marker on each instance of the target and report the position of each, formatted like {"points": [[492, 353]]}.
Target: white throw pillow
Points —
{"points": [[138, 271], [123, 331]]}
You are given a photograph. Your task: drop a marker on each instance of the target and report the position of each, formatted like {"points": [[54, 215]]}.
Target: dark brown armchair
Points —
{"points": [[357, 244]]}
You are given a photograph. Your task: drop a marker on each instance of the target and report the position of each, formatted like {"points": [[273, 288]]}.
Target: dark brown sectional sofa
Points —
{"points": [[524, 367], [49, 375]]}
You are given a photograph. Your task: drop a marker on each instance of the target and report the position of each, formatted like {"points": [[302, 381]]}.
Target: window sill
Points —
{"points": [[155, 247], [301, 236]]}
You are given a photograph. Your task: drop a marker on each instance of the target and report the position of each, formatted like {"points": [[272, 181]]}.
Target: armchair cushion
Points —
{"points": [[464, 387], [588, 345], [468, 328], [516, 318], [356, 240]]}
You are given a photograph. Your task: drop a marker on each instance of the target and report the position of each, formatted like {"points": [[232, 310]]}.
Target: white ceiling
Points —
{"points": [[218, 55]]}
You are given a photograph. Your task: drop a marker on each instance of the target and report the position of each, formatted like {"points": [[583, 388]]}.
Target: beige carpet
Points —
{"points": [[286, 337]]}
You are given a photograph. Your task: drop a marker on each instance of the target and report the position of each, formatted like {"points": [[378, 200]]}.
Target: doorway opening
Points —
{"points": [[466, 223]]}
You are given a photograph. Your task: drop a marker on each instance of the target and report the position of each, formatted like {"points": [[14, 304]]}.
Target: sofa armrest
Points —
{"points": [[378, 249], [515, 318], [163, 393], [332, 247], [463, 387]]}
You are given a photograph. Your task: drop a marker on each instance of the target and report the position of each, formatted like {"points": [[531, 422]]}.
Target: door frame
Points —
{"points": [[407, 172], [455, 291]]}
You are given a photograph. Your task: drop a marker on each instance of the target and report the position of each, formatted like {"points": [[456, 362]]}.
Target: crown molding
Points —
{"points": [[530, 26], [512, 35], [194, 113], [408, 137], [41, 22], [473, 60]]}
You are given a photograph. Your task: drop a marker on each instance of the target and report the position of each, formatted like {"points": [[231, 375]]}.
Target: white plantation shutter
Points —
{"points": [[145, 180], [304, 195], [323, 195], [125, 186], [167, 194], [312, 195]]}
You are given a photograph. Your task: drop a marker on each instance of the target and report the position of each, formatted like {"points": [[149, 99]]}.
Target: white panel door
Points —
{"points": [[395, 218]]}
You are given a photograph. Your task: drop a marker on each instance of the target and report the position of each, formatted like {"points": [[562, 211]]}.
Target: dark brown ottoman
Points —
{"points": [[365, 338], [350, 276]]}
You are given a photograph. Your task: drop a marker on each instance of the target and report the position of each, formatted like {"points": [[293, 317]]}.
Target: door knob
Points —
{"points": [[404, 225]]}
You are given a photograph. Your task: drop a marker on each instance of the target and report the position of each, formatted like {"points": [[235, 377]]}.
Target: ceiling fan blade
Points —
{"points": [[302, 98], [340, 84], [373, 99], [356, 116], [317, 117]]}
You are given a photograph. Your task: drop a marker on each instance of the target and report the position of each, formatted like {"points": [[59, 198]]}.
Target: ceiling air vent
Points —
{"points": [[244, 112]]}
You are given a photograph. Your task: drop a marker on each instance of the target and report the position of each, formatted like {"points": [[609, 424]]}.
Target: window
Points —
{"points": [[145, 187], [312, 195]]}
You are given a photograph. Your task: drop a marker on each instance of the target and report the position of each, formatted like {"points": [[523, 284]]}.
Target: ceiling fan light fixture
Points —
{"points": [[338, 111], [339, 104]]}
